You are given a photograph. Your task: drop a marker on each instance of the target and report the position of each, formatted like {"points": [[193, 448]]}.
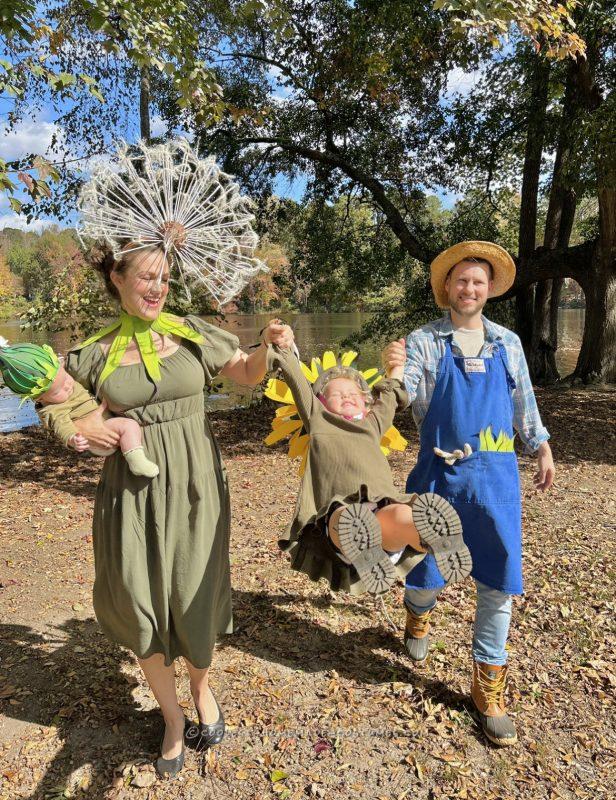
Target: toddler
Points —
{"points": [[351, 525]]}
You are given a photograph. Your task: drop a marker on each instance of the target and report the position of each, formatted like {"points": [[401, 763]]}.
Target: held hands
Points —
{"points": [[394, 359], [95, 432], [278, 333], [544, 477]]}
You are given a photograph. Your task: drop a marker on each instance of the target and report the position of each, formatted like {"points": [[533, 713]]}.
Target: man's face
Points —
{"points": [[468, 287]]}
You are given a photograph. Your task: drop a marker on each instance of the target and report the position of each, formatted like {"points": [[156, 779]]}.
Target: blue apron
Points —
{"points": [[470, 396]]}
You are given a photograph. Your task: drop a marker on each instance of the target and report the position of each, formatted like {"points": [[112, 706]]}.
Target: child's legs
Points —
{"points": [[420, 600], [492, 618], [397, 528], [129, 430]]}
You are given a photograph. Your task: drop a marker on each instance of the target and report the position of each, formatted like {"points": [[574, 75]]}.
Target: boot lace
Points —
{"points": [[417, 625], [492, 689]]}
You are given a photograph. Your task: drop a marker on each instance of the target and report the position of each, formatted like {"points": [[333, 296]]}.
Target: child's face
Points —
{"points": [[344, 397], [60, 390]]}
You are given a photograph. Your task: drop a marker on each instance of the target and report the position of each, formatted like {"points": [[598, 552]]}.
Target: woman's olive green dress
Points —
{"points": [[161, 545]]}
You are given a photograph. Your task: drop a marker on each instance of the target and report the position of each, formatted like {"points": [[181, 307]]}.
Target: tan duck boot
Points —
{"points": [[416, 634], [488, 695]]}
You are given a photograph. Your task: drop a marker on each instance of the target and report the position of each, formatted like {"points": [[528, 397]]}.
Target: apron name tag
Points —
{"points": [[474, 365]]}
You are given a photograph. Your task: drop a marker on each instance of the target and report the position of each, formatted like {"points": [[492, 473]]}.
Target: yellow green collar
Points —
{"points": [[141, 331]]}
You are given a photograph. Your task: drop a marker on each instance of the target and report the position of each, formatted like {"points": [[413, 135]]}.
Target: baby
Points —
{"points": [[34, 372], [349, 513]]}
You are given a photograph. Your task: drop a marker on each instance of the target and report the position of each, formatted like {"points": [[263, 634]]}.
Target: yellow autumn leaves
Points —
{"points": [[287, 421]]}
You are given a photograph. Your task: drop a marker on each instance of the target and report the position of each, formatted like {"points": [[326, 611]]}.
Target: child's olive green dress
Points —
{"points": [[161, 545]]}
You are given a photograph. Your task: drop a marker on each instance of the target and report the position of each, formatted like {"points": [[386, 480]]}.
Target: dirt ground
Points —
{"points": [[319, 697]]}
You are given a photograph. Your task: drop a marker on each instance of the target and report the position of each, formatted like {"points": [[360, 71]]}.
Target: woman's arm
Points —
{"points": [[249, 370]]}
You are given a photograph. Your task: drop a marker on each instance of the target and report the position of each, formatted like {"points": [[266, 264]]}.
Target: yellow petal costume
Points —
{"points": [[342, 460], [287, 422]]}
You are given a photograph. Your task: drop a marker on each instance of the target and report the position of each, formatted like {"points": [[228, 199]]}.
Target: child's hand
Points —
{"points": [[78, 443], [394, 359]]}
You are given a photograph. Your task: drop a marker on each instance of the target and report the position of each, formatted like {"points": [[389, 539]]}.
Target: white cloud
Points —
{"points": [[18, 221], [158, 126], [461, 82], [29, 137]]}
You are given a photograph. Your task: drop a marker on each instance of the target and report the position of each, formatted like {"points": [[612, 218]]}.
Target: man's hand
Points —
{"points": [[394, 359], [93, 428], [544, 477]]}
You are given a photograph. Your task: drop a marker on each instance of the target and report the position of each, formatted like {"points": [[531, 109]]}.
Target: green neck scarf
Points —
{"points": [[141, 331]]}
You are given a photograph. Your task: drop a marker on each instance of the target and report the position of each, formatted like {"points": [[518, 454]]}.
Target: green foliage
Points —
{"points": [[550, 26]]}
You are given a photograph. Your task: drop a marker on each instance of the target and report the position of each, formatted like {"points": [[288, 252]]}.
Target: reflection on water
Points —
{"points": [[314, 334]]}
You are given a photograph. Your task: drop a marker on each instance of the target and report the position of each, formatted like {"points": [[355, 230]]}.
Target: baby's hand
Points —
{"points": [[78, 442]]}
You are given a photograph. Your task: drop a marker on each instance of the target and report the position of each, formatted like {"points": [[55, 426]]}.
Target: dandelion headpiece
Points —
{"points": [[28, 369], [287, 421], [166, 196]]}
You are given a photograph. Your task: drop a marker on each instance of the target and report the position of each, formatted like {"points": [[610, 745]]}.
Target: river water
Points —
{"points": [[314, 334]]}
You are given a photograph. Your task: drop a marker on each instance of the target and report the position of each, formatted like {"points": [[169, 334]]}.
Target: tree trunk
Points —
{"points": [[561, 213], [597, 359], [530, 187], [144, 105], [558, 226]]}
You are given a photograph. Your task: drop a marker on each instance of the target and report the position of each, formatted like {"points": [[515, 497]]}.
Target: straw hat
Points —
{"points": [[502, 265]]}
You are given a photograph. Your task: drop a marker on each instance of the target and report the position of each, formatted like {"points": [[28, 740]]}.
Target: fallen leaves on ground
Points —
{"points": [[319, 697]]}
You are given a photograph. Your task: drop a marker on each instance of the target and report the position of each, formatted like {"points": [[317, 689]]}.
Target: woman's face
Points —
{"points": [[142, 286]]}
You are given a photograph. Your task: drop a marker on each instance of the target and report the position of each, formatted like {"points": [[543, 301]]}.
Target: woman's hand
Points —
{"points": [[93, 428], [278, 333]]}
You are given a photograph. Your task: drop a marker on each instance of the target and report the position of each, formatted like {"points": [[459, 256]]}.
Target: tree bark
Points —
{"points": [[597, 359], [535, 135], [144, 105], [558, 226]]}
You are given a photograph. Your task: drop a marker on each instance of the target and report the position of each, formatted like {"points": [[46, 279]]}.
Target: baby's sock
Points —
{"points": [[139, 464]]}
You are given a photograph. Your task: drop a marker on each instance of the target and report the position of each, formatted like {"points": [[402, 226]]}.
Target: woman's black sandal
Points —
{"points": [[213, 733], [203, 736], [170, 767]]}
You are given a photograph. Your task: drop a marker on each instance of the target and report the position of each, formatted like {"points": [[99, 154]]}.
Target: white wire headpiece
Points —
{"points": [[165, 195]]}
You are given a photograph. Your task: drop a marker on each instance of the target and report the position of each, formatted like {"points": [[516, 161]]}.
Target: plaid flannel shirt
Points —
{"points": [[424, 349]]}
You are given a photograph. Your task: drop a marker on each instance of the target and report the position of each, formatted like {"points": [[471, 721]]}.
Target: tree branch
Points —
{"points": [[394, 218]]}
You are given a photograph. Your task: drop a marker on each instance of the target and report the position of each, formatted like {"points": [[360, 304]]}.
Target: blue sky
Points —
{"points": [[34, 135]]}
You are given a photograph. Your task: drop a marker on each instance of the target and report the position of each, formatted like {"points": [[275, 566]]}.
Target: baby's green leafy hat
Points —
{"points": [[28, 369]]}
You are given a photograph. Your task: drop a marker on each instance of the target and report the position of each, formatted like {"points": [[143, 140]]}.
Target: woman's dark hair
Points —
{"points": [[104, 261]]}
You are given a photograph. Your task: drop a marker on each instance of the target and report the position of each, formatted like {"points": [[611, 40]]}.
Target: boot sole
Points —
{"points": [[360, 541], [440, 532]]}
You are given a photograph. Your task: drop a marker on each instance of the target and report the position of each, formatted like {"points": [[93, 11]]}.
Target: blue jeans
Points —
{"points": [[492, 618]]}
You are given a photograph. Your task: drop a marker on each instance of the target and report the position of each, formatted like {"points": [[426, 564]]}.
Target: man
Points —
{"points": [[470, 389]]}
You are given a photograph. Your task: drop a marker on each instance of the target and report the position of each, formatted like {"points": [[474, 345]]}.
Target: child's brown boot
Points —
{"points": [[417, 634], [488, 695]]}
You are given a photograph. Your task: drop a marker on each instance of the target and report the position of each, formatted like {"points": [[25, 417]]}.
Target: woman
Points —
{"points": [[162, 585]]}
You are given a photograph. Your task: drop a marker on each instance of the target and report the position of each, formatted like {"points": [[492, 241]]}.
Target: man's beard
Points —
{"points": [[467, 311]]}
